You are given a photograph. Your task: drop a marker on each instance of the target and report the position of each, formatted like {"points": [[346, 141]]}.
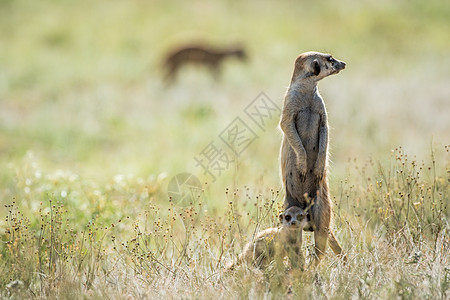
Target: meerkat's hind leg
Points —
{"points": [[320, 242]]}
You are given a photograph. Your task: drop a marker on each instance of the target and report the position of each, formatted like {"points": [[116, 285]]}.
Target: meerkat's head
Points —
{"points": [[315, 66], [294, 217]]}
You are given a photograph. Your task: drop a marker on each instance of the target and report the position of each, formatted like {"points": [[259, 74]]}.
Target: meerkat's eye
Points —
{"points": [[287, 218], [330, 59]]}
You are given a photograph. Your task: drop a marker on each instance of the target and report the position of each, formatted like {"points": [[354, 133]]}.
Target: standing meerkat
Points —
{"points": [[304, 150], [277, 242]]}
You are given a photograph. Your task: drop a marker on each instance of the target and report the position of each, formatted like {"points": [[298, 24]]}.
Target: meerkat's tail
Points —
{"points": [[334, 245]]}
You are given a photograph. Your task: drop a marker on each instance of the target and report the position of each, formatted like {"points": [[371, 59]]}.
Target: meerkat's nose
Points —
{"points": [[294, 223], [343, 64]]}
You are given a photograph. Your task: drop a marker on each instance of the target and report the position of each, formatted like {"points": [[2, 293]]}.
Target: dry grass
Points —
{"points": [[392, 221]]}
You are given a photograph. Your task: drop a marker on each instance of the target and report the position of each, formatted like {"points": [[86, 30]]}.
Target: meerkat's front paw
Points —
{"points": [[318, 174], [302, 169]]}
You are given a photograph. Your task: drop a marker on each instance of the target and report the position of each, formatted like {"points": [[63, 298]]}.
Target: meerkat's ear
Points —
{"points": [[281, 217], [316, 67]]}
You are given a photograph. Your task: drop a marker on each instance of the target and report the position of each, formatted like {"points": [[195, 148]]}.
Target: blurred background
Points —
{"points": [[82, 90]]}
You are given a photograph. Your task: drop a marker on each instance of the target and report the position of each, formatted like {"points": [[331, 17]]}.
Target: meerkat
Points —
{"points": [[304, 149], [277, 242], [200, 55]]}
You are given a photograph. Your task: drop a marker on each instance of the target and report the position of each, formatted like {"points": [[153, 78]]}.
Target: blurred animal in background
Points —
{"points": [[211, 57]]}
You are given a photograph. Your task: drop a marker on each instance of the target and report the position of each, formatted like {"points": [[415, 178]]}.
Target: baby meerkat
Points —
{"points": [[277, 242], [304, 150]]}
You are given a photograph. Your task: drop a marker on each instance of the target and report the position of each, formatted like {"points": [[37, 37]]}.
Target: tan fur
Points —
{"points": [[200, 55], [277, 242], [304, 150]]}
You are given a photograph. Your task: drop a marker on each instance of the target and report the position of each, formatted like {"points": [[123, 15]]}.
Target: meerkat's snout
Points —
{"points": [[339, 65]]}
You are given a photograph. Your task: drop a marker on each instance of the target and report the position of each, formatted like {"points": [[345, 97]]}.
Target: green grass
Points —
{"points": [[90, 138]]}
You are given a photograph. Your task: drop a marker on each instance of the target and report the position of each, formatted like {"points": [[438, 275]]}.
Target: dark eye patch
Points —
{"points": [[287, 218], [330, 58]]}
